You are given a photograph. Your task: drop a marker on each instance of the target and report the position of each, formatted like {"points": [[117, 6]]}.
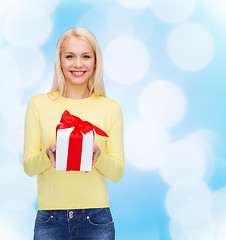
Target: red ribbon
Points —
{"points": [[76, 137]]}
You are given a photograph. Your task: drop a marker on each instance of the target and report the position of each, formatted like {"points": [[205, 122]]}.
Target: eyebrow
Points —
{"points": [[87, 53], [82, 53]]}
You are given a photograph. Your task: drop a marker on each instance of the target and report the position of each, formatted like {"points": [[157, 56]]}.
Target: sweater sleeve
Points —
{"points": [[35, 159], [111, 161]]}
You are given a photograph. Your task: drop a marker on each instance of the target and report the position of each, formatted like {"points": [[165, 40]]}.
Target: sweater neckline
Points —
{"points": [[55, 95]]}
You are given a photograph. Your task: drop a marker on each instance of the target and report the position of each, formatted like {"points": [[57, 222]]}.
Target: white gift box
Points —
{"points": [[75, 162], [74, 143]]}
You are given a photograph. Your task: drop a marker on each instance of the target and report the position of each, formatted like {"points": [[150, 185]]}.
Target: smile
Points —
{"points": [[78, 73]]}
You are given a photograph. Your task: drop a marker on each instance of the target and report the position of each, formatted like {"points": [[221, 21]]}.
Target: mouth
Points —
{"points": [[78, 73]]}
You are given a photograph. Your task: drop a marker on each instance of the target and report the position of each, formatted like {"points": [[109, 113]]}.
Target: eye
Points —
{"points": [[69, 56], [86, 56]]}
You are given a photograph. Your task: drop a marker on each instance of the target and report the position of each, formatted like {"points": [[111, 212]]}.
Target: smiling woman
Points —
{"points": [[76, 196], [76, 47], [78, 63]]}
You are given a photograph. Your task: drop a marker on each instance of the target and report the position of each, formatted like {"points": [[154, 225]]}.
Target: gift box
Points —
{"points": [[74, 143]]}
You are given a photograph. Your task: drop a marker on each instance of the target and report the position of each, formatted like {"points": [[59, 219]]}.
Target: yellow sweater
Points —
{"points": [[72, 190]]}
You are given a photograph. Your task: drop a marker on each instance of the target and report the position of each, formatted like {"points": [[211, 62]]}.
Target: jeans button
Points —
{"points": [[71, 214]]}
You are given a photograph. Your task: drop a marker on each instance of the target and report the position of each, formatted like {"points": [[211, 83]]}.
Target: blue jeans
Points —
{"points": [[82, 224]]}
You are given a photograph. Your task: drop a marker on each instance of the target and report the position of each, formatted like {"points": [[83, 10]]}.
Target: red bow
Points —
{"points": [[76, 136], [68, 120]]}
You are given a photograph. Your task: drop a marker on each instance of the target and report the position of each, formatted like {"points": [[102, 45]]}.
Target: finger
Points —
{"points": [[53, 148], [95, 156], [54, 156], [52, 159]]}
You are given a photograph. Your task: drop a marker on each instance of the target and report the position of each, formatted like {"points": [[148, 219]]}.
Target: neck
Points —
{"points": [[77, 92]]}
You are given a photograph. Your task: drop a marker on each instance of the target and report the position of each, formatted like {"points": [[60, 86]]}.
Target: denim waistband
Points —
{"points": [[73, 213]]}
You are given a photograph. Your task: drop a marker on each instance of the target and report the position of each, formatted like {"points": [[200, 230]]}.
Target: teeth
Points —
{"points": [[78, 73]]}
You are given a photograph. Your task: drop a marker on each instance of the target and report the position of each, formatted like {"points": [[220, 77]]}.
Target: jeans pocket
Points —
{"points": [[102, 218], [43, 217]]}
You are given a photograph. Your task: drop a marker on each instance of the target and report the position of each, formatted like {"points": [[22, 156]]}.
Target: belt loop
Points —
{"points": [[84, 214], [83, 211]]}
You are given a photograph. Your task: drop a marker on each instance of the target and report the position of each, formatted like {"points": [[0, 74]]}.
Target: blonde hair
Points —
{"points": [[95, 84]]}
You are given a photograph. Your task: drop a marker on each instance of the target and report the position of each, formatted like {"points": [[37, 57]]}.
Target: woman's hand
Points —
{"points": [[96, 154], [51, 153]]}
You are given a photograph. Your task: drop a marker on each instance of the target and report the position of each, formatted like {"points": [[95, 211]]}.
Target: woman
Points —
{"points": [[74, 204]]}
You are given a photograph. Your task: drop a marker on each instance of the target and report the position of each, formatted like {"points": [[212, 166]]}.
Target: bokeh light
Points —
{"points": [[204, 139], [190, 46], [185, 166], [5, 5], [135, 4], [150, 144], [126, 60], [189, 207], [30, 61], [219, 205], [10, 127], [164, 64], [162, 101], [218, 7], [10, 73], [97, 2], [173, 11], [27, 25]]}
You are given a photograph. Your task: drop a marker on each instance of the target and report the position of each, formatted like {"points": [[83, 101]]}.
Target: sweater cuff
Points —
{"points": [[101, 161], [46, 161]]}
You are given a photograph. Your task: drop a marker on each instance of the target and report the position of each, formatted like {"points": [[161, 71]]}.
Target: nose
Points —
{"points": [[78, 62]]}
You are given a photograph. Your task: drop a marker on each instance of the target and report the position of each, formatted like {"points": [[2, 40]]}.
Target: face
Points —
{"points": [[77, 61]]}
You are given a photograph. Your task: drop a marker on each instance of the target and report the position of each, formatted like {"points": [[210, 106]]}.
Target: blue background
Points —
{"points": [[156, 199]]}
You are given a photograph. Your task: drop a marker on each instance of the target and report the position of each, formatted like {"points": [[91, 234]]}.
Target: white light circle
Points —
{"points": [[5, 6], [27, 25], [185, 166], [102, 19], [219, 205], [98, 2], [190, 46], [10, 90], [221, 230], [135, 4], [45, 84], [219, 8], [7, 232], [95, 20], [22, 229], [173, 11], [203, 138], [176, 231], [10, 72], [31, 63], [126, 60], [188, 207], [10, 165], [163, 102], [13, 131], [49, 5], [196, 234], [17, 205], [126, 23], [122, 25], [146, 145], [23, 185], [203, 230]]}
